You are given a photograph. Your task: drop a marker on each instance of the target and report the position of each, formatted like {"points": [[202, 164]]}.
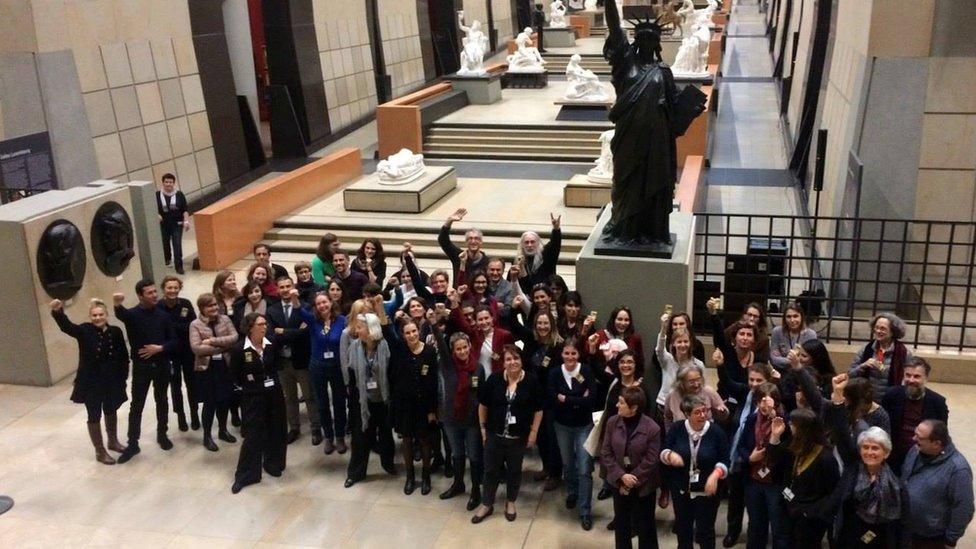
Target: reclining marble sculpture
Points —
{"points": [[582, 84], [400, 168], [557, 15], [527, 57], [589, 5], [474, 45], [602, 172], [692, 58]]}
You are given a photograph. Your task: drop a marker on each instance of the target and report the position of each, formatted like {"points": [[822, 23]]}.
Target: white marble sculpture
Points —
{"points": [[704, 15], [557, 15], [401, 168], [687, 14], [602, 173], [692, 58], [527, 57], [582, 84], [474, 45], [590, 5]]}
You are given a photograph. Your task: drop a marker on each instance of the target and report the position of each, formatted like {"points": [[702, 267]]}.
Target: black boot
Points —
{"points": [[194, 417], [411, 483], [457, 487], [208, 443], [425, 481], [235, 416], [476, 473]]}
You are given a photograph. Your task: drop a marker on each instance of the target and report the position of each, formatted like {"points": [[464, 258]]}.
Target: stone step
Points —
{"points": [[352, 238], [552, 147], [585, 142], [515, 133], [566, 257], [362, 226], [523, 155]]}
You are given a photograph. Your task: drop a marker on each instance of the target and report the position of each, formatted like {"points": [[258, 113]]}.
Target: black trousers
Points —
{"points": [[172, 236], [143, 374], [633, 512], [552, 461], [694, 520], [265, 429], [379, 431], [502, 455], [183, 373], [737, 502], [808, 532]]}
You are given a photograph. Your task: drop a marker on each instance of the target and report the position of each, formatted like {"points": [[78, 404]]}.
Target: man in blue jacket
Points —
{"points": [[938, 488]]}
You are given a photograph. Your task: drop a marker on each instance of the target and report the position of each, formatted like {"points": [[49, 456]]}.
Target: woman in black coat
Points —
{"points": [[103, 367]]}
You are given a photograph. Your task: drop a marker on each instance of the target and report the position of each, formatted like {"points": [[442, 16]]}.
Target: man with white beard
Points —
{"points": [[534, 262], [908, 405]]}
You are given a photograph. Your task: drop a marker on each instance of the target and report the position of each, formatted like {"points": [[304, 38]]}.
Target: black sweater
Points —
{"points": [[528, 400], [577, 409]]}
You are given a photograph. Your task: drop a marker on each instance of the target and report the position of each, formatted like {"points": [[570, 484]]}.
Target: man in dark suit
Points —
{"points": [[910, 404], [285, 327]]}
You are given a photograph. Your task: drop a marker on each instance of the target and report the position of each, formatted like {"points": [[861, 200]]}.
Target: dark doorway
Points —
{"points": [[443, 26], [811, 93]]}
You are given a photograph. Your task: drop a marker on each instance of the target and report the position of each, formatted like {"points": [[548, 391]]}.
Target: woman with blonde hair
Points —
{"points": [[103, 367]]}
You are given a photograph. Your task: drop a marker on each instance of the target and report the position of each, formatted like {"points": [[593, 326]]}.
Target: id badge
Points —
{"points": [[693, 478], [788, 494], [423, 369], [328, 354], [474, 381], [511, 420], [626, 461], [269, 382], [250, 377], [763, 473], [868, 537], [371, 385]]}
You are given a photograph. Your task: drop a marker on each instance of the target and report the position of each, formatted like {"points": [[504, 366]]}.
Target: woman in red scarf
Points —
{"points": [[459, 411], [764, 490]]}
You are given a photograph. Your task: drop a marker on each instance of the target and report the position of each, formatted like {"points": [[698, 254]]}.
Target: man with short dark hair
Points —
{"points": [[352, 281], [262, 255], [938, 493], [174, 220], [151, 340], [908, 405]]}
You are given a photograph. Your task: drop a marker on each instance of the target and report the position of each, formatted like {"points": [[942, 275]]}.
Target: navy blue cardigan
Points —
{"points": [[713, 451]]}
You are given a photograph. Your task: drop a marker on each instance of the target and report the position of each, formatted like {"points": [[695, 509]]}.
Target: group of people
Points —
{"points": [[471, 369]]}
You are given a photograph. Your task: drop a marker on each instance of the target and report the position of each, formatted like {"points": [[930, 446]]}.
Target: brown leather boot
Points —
{"points": [[111, 429], [95, 433]]}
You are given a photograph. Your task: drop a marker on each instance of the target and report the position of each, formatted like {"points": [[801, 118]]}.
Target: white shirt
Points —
{"points": [[484, 359], [260, 352], [568, 376]]}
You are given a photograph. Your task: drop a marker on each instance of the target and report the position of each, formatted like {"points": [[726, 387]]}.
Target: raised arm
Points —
{"points": [[615, 33], [64, 323]]}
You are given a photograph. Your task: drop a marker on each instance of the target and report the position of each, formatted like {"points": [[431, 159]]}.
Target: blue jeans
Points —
{"points": [[577, 464], [764, 503], [326, 375], [465, 442]]}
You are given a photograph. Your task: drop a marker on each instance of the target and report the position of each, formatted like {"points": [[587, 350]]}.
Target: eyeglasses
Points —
{"points": [[700, 412]]}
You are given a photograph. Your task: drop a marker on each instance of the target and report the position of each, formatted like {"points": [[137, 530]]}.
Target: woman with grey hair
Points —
{"points": [[368, 361], [883, 359], [867, 502], [689, 381]]}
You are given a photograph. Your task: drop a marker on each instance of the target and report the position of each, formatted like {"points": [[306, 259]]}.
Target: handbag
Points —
{"points": [[593, 440]]}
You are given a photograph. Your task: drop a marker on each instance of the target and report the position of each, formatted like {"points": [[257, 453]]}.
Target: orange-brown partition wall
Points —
{"points": [[227, 229], [695, 139], [398, 121]]}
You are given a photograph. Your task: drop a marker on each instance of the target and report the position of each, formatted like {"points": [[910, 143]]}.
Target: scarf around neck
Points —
{"points": [[461, 393], [879, 501]]}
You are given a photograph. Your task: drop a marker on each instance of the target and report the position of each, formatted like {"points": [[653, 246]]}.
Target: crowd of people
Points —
{"points": [[472, 369]]}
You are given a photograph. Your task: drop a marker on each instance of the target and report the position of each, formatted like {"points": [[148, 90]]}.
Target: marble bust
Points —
{"points": [[692, 57], [527, 57], [557, 15], [582, 84], [602, 172], [473, 48], [400, 168]]}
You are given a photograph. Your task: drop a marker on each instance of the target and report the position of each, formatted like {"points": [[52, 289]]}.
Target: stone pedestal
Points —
{"points": [[564, 37], [33, 351], [583, 111], [369, 194], [646, 285], [481, 90], [580, 192], [535, 80], [595, 17]]}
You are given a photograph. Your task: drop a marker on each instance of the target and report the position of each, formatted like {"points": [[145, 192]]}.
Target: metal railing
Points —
{"points": [[844, 271]]}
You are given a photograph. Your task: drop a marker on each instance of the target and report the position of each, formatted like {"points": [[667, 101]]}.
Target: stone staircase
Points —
{"points": [[562, 144], [556, 63], [295, 239]]}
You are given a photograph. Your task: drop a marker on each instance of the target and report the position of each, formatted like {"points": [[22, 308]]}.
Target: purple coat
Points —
{"points": [[644, 450]]}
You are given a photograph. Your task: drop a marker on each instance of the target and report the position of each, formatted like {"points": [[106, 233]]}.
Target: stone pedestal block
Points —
{"points": [[645, 285], [481, 90], [559, 38], [580, 192], [369, 194], [535, 80]]}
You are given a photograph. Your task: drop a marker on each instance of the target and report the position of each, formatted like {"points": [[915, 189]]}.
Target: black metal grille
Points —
{"points": [[849, 269]]}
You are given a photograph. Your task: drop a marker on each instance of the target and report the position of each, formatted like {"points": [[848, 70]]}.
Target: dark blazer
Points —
{"points": [[182, 314], [643, 452], [294, 336], [175, 213], [97, 378], [933, 407], [577, 409], [528, 400], [813, 487], [249, 370], [550, 257], [499, 339], [713, 450]]}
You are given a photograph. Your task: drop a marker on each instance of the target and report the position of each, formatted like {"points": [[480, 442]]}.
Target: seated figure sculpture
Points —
{"points": [[527, 57], [557, 15], [402, 167], [603, 171], [692, 58], [473, 48], [582, 84]]}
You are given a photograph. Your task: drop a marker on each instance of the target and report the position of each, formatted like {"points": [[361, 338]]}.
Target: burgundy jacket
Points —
{"points": [[644, 450]]}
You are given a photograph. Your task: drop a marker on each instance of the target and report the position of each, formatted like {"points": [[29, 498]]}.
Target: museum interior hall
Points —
{"points": [[440, 233]]}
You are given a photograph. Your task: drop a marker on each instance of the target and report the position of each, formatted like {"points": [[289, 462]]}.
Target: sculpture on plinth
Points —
{"points": [[692, 58], [474, 45], [527, 57], [582, 84], [557, 15], [589, 5], [648, 115], [602, 173], [686, 12], [704, 15], [401, 168]]}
